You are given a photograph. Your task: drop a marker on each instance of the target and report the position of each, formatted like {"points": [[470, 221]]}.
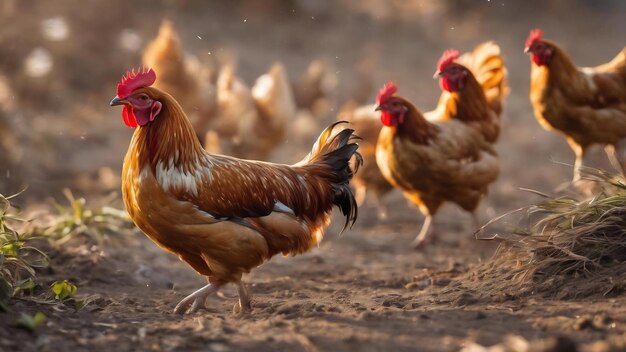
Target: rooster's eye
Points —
{"points": [[143, 97]]}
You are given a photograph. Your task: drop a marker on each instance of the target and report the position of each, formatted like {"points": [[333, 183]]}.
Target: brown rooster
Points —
{"points": [[587, 105], [474, 86], [182, 75], [224, 216], [432, 162]]}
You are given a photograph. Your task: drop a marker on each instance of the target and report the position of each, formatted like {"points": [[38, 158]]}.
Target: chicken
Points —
{"points": [[587, 105], [221, 215], [314, 90], [183, 75], [234, 103], [432, 162], [255, 120], [369, 182], [474, 87]]}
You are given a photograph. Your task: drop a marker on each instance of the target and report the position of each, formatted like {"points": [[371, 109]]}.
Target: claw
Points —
{"points": [[196, 300]]}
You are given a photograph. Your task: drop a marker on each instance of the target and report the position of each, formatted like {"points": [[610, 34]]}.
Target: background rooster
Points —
{"points": [[183, 75], [432, 162], [474, 87], [587, 105], [224, 216]]}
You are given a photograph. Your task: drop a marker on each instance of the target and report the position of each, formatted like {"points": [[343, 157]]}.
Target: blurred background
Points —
{"points": [[60, 62]]}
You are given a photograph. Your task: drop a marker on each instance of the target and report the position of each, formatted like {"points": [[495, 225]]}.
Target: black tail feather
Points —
{"points": [[335, 151]]}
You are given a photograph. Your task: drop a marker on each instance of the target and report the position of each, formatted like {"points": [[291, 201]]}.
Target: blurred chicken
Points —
{"points": [[369, 182], [222, 215], [234, 103], [183, 75], [315, 89], [474, 87], [432, 162], [255, 120], [587, 105], [276, 107]]}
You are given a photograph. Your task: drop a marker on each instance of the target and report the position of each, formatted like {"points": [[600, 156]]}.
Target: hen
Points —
{"points": [[432, 162], [587, 105], [474, 87], [224, 216], [182, 75], [254, 120]]}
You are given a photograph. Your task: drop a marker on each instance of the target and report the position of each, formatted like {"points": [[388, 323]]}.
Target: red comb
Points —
{"points": [[534, 35], [386, 92], [133, 80], [447, 58]]}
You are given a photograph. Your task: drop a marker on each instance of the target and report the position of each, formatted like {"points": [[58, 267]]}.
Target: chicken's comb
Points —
{"points": [[447, 58], [133, 80], [386, 92], [535, 34]]}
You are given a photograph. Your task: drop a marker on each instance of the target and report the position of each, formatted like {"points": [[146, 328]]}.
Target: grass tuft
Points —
{"points": [[572, 248]]}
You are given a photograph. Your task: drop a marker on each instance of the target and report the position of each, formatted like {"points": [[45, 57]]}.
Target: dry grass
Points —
{"points": [[573, 248]]}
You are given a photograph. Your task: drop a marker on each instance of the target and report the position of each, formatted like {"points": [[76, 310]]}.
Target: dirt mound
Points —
{"points": [[574, 249]]}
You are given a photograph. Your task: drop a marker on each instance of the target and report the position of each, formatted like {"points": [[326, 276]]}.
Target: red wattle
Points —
{"points": [[386, 119], [129, 117], [537, 60], [444, 83]]}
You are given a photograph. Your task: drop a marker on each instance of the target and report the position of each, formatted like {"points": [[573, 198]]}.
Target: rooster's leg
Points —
{"points": [[580, 152], [196, 300], [615, 158], [243, 306], [620, 155], [424, 233]]}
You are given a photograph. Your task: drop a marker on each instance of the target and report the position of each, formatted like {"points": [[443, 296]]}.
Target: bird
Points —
{"points": [[222, 215], [586, 105]]}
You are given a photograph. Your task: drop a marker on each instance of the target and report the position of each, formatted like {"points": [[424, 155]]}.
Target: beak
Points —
{"points": [[526, 50], [118, 101], [437, 74], [378, 108]]}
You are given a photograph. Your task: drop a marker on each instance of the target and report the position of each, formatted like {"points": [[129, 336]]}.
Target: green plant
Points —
{"points": [[76, 218], [18, 257], [63, 289], [30, 323]]}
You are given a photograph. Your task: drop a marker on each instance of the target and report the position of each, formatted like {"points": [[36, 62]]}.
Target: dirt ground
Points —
{"points": [[359, 291]]}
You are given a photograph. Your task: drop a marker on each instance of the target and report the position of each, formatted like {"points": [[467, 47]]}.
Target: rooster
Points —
{"points": [[474, 87], [432, 162], [221, 215], [254, 120], [587, 105], [182, 75]]}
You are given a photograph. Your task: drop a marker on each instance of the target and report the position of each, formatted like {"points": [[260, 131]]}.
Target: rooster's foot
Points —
{"points": [[243, 306], [196, 300]]}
